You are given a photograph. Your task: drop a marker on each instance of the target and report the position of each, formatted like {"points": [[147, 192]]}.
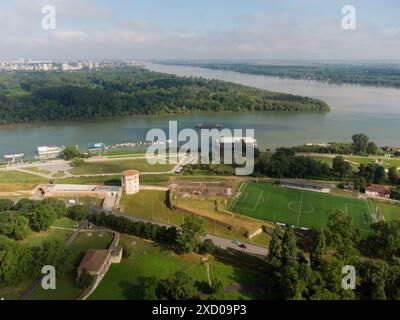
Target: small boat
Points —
{"points": [[209, 126]]}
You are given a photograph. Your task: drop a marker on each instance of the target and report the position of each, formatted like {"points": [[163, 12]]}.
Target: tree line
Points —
{"points": [[382, 75], [19, 262], [18, 220], [360, 145], [36, 96], [376, 261]]}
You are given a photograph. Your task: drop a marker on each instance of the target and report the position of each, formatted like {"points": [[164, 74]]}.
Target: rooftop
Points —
{"points": [[378, 188], [94, 260], [305, 183], [129, 173], [236, 140], [82, 188]]}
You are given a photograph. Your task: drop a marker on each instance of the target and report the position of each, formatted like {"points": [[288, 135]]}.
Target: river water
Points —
{"points": [[374, 111]]}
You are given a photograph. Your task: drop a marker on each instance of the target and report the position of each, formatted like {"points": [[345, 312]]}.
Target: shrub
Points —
{"points": [[77, 162]]}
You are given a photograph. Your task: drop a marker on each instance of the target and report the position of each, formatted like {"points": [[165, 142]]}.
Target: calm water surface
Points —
{"points": [[375, 111]]}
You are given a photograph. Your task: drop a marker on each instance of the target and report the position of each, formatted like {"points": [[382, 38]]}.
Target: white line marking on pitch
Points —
{"points": [[301, 204], [258, 200]]}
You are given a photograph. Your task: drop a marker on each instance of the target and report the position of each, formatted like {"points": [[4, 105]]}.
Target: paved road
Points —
{"points": [[218, 241]]}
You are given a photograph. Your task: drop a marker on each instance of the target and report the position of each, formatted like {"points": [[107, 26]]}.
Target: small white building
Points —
{"points": [[234, 143], [44, 153], [13, 158], [130, 181]]}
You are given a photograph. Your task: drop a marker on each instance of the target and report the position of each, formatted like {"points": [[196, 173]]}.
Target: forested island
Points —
{"points": [[42, 96], [368, 74]]}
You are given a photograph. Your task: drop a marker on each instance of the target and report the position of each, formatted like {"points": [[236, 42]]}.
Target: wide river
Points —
{"points": [[374, 111]]}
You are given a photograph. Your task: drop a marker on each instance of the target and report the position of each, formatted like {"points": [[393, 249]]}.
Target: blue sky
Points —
{"points": [[224, 13], [188, 29]]}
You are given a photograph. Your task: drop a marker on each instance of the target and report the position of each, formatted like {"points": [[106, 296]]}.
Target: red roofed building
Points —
{"points": [[377, 190]]}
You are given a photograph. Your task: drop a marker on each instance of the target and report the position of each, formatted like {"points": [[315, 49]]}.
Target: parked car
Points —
{"points": [[179, 169]]}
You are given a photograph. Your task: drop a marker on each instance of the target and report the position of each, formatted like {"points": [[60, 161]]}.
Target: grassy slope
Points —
{"points": [[66, 288], [151, 205], [388, 210], [116, 166], [11, 181], [35, 239], [124, 281], [357, 160]]}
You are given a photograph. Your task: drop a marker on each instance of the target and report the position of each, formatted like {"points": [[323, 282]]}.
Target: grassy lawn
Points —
{"points": [[124, 281], [357, 160], [388, 210], [37, 170], [151, 205], [387, 163], [66, 288], [11, 181], [14, 292], [64, 223], [84, 200], [89, 240], [298, 207], [36, 238], [241, 224], [159, 179], [58, 175], [329, 159], [33, 240], [127, 153], [116, 166], [107, 181]]}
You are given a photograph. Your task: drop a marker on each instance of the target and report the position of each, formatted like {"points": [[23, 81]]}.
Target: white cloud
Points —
{"points": [[256, 36]]}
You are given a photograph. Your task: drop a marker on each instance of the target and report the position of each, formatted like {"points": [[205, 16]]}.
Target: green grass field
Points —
{"points": [[388, 210], [117, 166], [124, 281], [357, 160], [34, 240], [11, 181], [66, 287], [297, 207], [150, 205]]}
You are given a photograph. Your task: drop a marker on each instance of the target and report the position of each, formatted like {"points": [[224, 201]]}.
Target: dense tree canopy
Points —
{"points": [[189, 237], [365, 74], [18, 219], [31, 96]]}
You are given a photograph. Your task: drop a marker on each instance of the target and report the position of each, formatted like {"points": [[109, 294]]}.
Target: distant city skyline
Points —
{"points": [[219, 29]]}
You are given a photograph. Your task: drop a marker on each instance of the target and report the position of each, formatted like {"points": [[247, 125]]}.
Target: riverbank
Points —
{"points": [[353, 109]]}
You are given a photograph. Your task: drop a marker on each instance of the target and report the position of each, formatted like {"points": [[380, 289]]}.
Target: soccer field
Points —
{"points": [[298, 207]]}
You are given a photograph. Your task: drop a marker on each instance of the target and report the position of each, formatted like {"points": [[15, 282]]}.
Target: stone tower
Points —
{"points": [[130, 181]]}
